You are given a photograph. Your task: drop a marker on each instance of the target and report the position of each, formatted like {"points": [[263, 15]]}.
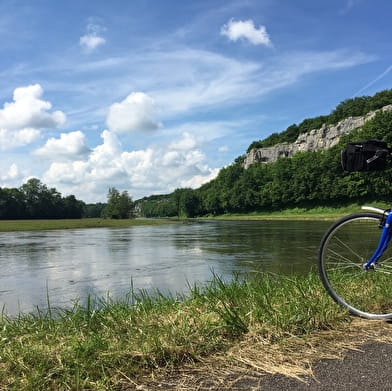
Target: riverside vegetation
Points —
{"points": [[108, 345]]}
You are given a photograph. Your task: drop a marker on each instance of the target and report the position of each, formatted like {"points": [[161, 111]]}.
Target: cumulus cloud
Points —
{"points": [[198, 180], [135, 112], [187, 142], [108, 150], [69, 146], [22, 119], [93, 37], [13, 176], [17, 138], [12, 173], [236, 30], [146, 171]]}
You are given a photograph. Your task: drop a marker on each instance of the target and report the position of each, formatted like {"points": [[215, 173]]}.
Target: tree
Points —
{"points": [[187, 202], [94, 210], [41, 202], [73, 208], [12, 204], [119, 205]]}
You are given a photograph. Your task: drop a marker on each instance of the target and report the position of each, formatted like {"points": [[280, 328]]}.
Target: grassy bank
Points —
{"points": [[36, 225], [105, 345], [317, 213]]}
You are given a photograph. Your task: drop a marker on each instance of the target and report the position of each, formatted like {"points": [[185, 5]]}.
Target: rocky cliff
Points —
{"points": [[325, 137]]}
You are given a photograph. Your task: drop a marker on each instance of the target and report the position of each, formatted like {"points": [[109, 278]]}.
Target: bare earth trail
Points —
{"points": [[357, 357], [369, 368]]}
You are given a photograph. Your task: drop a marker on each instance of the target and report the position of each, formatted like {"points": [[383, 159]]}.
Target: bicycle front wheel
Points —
{"points": [[345, 248]]}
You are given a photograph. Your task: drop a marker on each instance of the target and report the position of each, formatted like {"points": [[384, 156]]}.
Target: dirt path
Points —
{"points": [[357, 357], [367, 369]]}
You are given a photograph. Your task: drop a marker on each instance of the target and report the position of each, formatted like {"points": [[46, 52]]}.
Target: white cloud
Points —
{"points": [[135, 112], [91, 42], [108, 151], [142, 172], [28, 110], [187, 142], [236, 30], [223, 148], [198, 180], [92, 39], [17, 138], [67, 173], [13, 172], [22, 119], [69, 146], [12, 177]]}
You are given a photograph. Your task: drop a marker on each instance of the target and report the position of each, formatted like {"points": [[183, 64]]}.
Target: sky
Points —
{"points": [[152, 95]]}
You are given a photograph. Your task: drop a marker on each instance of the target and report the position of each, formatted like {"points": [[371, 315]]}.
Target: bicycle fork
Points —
{"points": [[386, 235]]}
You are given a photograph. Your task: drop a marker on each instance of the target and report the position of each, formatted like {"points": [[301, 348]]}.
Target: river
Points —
{"points": [[69, 265]]}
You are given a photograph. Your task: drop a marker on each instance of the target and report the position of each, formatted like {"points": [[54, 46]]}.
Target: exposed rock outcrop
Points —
{"points": [[325, 137]]}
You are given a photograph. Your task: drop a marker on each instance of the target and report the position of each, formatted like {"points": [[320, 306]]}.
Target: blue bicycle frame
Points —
{"points": [[384, 239]]}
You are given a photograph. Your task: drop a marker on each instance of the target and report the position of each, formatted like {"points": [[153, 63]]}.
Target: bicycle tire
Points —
{"points": [[344, 249]]}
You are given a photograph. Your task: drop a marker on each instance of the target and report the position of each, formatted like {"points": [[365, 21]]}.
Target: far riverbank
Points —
{"points": [[38, 225], [318, 213]]}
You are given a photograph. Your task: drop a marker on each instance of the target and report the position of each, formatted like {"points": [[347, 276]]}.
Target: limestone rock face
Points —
{"points": [[325, 137]]}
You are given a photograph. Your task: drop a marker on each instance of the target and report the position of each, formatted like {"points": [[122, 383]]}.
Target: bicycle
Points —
{"points": [[354, 260]]}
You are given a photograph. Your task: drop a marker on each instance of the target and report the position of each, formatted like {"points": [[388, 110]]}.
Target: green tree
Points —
{"points": [[119, 205], [187, 202], [73, 208], [41, 202], [12, 204], [94, 210]]}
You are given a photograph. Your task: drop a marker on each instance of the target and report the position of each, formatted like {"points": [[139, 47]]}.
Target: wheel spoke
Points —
{"points": [[345, 248], [345, 245]]}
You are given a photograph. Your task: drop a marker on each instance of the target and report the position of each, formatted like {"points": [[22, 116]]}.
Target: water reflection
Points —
{"points": [[70, 264]]}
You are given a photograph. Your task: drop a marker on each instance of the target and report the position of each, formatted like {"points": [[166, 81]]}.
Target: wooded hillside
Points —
{"points": [[308, 179]]}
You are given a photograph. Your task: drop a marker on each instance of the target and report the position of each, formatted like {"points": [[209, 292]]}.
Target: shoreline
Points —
{"points": [[317, 213], [49, 224]]}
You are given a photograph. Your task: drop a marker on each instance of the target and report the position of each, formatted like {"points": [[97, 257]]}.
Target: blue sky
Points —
{"points": [[148, 96]]}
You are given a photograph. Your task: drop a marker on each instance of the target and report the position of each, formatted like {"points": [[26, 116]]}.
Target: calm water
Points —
{"points": [[71, 264]]}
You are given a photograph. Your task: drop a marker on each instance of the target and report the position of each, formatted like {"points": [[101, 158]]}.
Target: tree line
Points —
{"points": [[34, 200], [308, 179]]}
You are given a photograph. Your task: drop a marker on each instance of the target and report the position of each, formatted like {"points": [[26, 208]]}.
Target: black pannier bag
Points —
{"points": [[369, 155]]}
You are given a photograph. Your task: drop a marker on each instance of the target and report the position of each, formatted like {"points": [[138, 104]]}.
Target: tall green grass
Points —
{"points": [[104, 343]]}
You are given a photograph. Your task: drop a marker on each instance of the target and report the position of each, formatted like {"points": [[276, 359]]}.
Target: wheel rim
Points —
{"points": [[345, 249]]}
